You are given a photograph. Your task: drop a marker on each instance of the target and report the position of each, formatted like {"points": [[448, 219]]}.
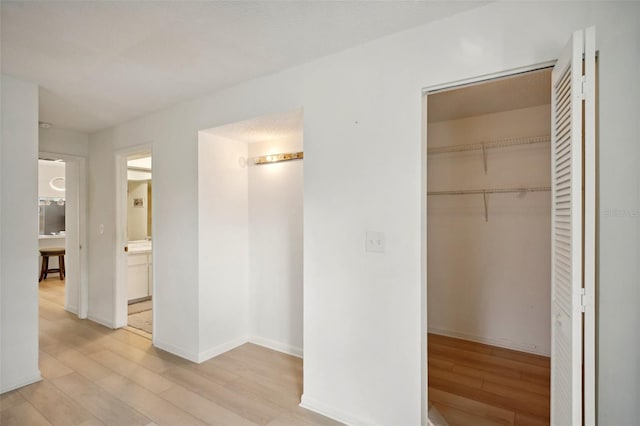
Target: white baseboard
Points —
{"points": [[502, 343], [6, 387], [182, 353], [220, 349], [276, 346], [101, 321], [72, 309], [331, 412], [213, 352]]}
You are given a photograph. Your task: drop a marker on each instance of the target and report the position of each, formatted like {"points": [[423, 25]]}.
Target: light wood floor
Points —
{"points": [[475, 384], [96, 376]]}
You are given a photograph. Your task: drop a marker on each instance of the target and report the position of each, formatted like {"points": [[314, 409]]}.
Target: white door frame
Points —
{"points": [[423, 204], [77, 254], [120, 272]]}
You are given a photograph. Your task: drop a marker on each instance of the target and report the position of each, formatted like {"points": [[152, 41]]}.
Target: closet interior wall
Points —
{"points": [[489, 280]]}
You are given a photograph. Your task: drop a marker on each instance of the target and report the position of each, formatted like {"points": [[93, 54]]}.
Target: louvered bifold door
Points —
{"points": [[568, 268]]}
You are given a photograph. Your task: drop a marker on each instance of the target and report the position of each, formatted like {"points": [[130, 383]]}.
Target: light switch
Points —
{"points": [[374, 242], [101, 229]]}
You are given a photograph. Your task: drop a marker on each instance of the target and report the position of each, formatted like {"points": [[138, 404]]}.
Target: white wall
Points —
{"points": [[63, 141], [490, 281], [223, 244], [363, 328], [19, 230], [275, 247]]}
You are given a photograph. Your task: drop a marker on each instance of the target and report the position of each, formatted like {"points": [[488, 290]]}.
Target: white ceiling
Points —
{"points": [[101, 63], [520, 91], [275, 127]]}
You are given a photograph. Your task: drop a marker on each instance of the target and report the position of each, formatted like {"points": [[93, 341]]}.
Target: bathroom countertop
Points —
{"points": [[139, 247], [51, 237]]}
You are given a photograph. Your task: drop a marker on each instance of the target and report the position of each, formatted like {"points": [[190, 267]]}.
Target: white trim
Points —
{"points": [[485, 77], [27, 380], [72, 309], [277, 346], [590, 220], [101, 321], [220, 349], [331, 412], [424, 357], [501, 343], [178, 351]]}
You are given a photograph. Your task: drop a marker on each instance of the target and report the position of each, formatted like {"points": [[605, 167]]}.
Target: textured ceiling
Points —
{"points": [[276, 127], [504, 94], [101, 63]]}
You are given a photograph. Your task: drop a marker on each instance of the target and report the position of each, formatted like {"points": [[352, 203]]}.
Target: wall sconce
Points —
{"points": [[275, 158]]}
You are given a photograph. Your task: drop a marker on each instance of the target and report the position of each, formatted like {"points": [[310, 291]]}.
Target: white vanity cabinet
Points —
{"points": [[139, 274]]}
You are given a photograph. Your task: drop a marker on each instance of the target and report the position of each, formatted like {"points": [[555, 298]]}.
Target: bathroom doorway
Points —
{"points": [[139, 247], [134, 283]]}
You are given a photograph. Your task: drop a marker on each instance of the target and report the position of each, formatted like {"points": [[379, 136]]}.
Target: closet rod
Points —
{"points": [[502, 143], [491, 191]]}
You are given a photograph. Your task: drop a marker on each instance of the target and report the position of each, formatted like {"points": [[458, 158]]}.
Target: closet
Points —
{"points": [[489, 249]]}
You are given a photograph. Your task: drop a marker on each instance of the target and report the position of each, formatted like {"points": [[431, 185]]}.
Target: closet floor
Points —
{"points": [[476, 384]]}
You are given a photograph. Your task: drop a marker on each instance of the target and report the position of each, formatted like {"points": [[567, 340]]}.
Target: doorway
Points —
{"points": [[489, 249], [134, 227], [62, 213], [139, 246]]}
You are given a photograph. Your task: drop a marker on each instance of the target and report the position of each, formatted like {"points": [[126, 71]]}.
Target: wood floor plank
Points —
{"points": [[55, 406], [503, 380], [246, 405], [528, 420], [134, 372], [10, 399], [214, 372], [83, 365], [457, 417], [98, 402], [471, 406], [490, 368], [470, 356], [146, 402], [302, 416], [23, 414], [202, 408], [144, 358], [536, 404], [464, 380], [51, 368]]}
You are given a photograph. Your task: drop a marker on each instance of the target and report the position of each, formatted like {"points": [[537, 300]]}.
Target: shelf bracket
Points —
{"points": [[484, 157], [485, 196]]}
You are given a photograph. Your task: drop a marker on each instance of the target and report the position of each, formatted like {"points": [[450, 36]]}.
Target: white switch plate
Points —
{"points": [[374, 242]]}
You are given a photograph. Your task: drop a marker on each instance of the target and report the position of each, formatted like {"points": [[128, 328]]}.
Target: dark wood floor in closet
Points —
{"points": [[475, 384]]}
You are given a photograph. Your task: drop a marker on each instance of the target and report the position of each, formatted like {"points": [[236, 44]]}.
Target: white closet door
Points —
{"points": [[570, 262]]}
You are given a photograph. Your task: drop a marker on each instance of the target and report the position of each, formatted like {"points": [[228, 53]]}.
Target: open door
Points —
{"points": [[573, 233]]}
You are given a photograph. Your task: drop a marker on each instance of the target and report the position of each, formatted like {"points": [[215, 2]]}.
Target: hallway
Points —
{"points": [[93, 375]]}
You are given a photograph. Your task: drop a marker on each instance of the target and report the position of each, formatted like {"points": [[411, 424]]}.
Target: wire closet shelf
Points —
{"points": [[485, 194], [485, 146]]}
